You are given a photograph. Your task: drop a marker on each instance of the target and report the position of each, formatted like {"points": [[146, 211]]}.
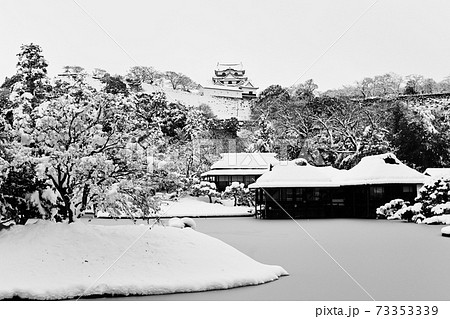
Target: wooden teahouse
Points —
{"points": [[299, 190], [239, 167], [376, 180]]}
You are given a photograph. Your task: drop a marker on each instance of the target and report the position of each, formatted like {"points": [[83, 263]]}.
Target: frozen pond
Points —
{"points": [[392, 260]]}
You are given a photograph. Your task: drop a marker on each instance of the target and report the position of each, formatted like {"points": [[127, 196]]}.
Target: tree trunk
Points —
{"points": [[63, 191], [67, 207], [84, 198]]}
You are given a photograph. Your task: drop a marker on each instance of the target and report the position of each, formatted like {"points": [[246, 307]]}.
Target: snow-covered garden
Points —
{"points": [[70, 149]]}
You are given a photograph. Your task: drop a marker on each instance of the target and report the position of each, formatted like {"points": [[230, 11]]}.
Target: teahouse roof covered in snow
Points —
{"points": [[438, 172], [242, 164], [298, 173], [371, 170], [381, 169]]}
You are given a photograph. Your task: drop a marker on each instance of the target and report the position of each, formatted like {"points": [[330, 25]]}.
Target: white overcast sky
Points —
{"points": [[277, 41]]}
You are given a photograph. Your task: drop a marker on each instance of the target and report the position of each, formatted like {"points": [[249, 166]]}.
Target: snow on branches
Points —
{"points": [[434, 197], [205, 188], [80, 143], [432, 202], [389, 210], [240, 193]]}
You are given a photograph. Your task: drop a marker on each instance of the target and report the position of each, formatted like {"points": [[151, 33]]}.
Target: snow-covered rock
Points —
{"points": [[189, 222], [59, 261], [445, 231], [418, 219], [175, 222]]}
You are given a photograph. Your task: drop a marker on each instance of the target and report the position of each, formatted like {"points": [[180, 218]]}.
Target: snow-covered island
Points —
{"points": [[50, 261]]}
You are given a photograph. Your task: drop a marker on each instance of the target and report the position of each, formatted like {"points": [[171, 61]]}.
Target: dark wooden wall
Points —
{"points": [[332, 202]]}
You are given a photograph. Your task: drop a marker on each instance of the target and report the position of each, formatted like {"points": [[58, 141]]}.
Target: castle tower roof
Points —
{"points": [[229, 66]]}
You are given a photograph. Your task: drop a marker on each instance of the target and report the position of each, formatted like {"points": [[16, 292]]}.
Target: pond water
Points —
{"points": [[391, 260]]}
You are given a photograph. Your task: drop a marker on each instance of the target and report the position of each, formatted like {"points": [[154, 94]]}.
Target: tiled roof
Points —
{"points": [[245, 161], [226, 66]]}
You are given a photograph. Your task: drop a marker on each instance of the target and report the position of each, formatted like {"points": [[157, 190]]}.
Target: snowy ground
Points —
{"points": [[200, 207], [392, 260], [190, 206], [58, 261]]}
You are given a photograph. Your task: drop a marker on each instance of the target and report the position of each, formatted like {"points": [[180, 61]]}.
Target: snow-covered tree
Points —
{"points": [[372, 141], [81, 142], [444, 85], [153, 111], [390, 209], [32, 75], [143, 74], [129, 198], [115, 85], [74, 70], [99, 73], [241, 194], [18, 183], [205, 188], [270, 102], [433, 200], [414, 84], [432, 195], [420, 133], [180, 81], [305, 91], [263, 138], [22, 94], [335, 131]]}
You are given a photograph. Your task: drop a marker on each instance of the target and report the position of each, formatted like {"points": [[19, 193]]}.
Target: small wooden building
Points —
{"points": [[298, 190], [239, 167], [315, 192], [376, 180]]}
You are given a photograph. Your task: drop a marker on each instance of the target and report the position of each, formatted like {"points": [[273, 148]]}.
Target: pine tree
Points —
{"points": [[32, 74], [205, 188], [240, 193]]}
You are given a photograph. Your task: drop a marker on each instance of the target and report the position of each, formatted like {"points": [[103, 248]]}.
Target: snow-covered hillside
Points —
{"points": [[222, 107]]}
